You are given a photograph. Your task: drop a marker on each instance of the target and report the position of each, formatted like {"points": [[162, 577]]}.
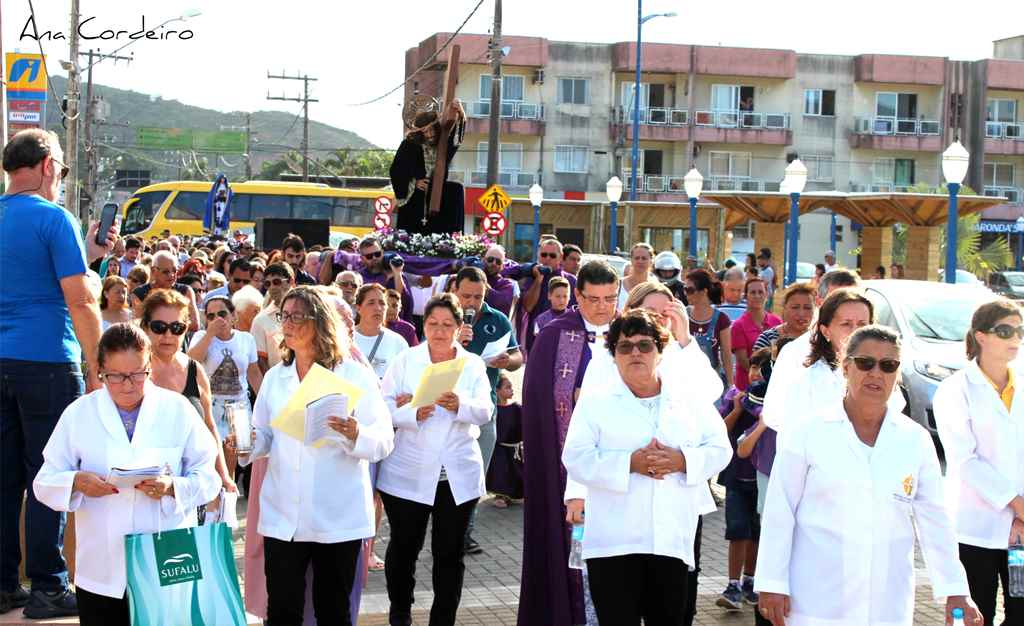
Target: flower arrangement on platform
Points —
{"points": [[447, 246]]}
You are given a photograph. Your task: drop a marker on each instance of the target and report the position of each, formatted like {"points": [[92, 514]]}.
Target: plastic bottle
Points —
{"points": [[1015, 561], [576, 550], [958, 617]]}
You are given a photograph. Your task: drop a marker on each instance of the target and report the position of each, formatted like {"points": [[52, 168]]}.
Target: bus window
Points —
{"points": [[312, 207], [188, 205], [270, 206], [241, 207], [353, 211], [142, 211]]}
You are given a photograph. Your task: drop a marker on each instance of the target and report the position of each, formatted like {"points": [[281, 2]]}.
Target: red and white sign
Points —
{"points": [[382, 204], [24, 105], [495, 224], [382, 220], [24, 116]]}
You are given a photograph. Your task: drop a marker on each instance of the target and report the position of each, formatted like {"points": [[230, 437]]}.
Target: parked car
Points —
{"points": [[963, 277], [1009, 284], [932, 320], [617, 262]]}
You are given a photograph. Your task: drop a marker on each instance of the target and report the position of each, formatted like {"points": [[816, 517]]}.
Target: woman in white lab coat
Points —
{"points": [[316, 503], [436, 470], [645, 450], [980, 416], [847, 489], [128, 423]]}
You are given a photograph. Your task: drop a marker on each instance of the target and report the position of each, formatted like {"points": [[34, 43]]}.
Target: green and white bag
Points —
{"points": [[183, 577]]}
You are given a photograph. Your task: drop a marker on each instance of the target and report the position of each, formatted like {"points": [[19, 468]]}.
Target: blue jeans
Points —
{"points": [[32, 397]]}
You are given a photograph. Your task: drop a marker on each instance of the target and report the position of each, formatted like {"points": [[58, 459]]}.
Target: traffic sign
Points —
{"points": [[382, 204], [382, 220], [495, 224], [495, 200]]}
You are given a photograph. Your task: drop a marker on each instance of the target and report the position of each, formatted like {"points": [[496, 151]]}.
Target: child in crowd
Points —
{"points": [[505, 473], [558, 295]]}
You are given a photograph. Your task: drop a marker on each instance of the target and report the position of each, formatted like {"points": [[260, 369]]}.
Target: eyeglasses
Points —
{"points": [[549, 255], [492, 260], [160, 327], [623, 347], [277, 282], [373, 255], [221, 314], [294, 318], [347, 283], [594, 300], [242, 281], [64, 169], [1005, 331], [119, 379], [166, 271], [868, 363], [690, 290]]}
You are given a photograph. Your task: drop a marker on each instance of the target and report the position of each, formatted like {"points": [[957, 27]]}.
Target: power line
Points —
{"points": [[426, 63], [305, 100], [49, 85]]}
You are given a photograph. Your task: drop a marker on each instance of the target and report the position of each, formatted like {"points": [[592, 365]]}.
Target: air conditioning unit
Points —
{"points": [[538, 77]]}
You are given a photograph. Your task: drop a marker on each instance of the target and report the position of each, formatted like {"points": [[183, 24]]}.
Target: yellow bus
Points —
{"points": [[179, 206]]}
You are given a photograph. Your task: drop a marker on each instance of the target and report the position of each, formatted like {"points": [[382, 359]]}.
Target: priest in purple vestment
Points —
{"points": [[551, 594], [502, 292], [535, 290]]}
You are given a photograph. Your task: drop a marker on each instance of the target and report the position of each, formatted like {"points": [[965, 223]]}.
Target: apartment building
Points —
{"points": [[871, 122]]}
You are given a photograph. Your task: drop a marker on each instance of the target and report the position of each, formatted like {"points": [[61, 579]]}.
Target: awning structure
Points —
{"points": [[867, 209]]}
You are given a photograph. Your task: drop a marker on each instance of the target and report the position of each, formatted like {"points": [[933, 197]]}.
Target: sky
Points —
{"points": [[356, 49]]}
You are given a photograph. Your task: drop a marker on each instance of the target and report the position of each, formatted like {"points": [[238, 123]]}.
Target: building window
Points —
{"points": [[1001, 110], [998, 175], [572, 159], [512, 87], [901, 105], [819, 168], [730, 164], [510, 157], [820, 102], [839, 232], [522, 241], [573, 90]]}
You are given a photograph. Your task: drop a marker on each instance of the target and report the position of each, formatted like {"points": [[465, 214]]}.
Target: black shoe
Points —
{"points": [[471, 546], [46, 605], [13, 599]]}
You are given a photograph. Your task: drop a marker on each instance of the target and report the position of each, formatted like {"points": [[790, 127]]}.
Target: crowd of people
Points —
{"points": [[638, 392]]}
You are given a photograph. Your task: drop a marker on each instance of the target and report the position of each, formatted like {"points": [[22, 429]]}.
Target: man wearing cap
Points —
{"points": [[830, 261]]}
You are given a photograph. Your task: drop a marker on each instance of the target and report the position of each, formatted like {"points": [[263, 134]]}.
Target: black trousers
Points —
{"points": [[408, 522], [692, 577], [97, 610], [986, 569], [628, 588], [334, 567]]}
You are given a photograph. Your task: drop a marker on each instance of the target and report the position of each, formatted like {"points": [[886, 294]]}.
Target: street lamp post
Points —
{"points": [[614, 190], [954, 167], [640, 20], [536, 199], [793, 183], [693, 182], [1020, 242]]}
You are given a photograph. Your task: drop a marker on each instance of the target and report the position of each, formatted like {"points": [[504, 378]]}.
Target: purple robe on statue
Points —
{"points": [[500, 294], [550, 592], [525, 320]]}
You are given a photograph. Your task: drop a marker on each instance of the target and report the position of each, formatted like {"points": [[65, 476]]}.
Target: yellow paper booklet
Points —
{"points": [[437, 379], [319, 382]]}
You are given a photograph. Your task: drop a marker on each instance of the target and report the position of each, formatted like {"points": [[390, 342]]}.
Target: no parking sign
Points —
{"points": [[495, 224]]}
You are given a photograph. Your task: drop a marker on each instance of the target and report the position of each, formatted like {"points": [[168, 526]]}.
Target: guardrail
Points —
{"points": [[742, 119], [505, 179], [885, 125], [1004, 130], [662, 183], [1013, 194], [510, 109]]}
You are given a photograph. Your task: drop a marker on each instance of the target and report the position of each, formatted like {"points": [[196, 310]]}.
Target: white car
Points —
{"points": [[618, 263]]}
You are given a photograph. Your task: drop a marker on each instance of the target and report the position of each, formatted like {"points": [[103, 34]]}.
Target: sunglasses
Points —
{"points": [[549, 255], [64, 169], [868, 363], [623, 347], [493, 260], [277, 282], [373, 255], [347, 283], [1005, 331], [160, 328], [243, 281], [221, 314]]}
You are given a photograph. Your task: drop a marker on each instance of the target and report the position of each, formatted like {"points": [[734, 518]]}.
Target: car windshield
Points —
{"points": [[937, 316], [1017, 280]]}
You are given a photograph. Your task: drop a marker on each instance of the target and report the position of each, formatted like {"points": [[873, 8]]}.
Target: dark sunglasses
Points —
{"points": [[244, 281], [277, 282], [549, 255], [160, 328], [373, 255], [492, 260], [64, 169], [347, 283], [221, 314], [868, 363], [1005, 331], [623, 347]]}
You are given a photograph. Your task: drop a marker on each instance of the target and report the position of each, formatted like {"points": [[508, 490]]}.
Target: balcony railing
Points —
{"points": [[885, 125], [657, 116], [742, 119], [877, 187], [510, 110], [663, 183], [505, 179], [1004, 130], [1013, 194]]}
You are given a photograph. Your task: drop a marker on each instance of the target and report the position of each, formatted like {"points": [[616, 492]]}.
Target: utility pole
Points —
{"points": [[72, 94], [494, 135], [248, 146], [91, 153], [305, 100]]}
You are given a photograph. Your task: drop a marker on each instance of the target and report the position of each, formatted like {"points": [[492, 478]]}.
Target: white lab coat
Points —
{"points": [[632, 514], [444, 439], [984, 446], [320, 494], [91, 437], [837, 534], [788, 366]]}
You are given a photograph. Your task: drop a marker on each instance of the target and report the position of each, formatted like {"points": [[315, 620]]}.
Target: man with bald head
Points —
{"points": [[535, 297], [163, 275], [502, 293]]}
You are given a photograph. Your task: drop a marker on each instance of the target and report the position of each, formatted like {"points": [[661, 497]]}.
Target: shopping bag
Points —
{"points": [[183, 577]]}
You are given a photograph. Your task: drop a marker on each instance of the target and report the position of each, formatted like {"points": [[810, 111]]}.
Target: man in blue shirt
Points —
{"points": [[489, 325], [49, 325]]}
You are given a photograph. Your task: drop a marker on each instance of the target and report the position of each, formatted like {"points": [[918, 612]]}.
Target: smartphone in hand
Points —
{"points": [[107, 218]]}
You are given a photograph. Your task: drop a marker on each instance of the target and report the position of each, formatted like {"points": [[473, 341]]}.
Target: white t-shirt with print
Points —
{"points": [[390, 345], [227, 363]]}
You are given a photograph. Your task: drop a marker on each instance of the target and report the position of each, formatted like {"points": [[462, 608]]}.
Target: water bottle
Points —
{"points": [[958, 617], [576, 550], [1015, 560]]}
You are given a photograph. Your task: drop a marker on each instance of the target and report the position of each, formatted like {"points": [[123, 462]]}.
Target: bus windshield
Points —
{"points": [[141, 213]]}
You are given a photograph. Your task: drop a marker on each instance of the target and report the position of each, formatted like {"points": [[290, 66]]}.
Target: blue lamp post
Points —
{"points": [[954, 167], [1020, 242], [693, 182], [832, 235], [793, 183], [614, 190], [640, 20], [536, 198]]}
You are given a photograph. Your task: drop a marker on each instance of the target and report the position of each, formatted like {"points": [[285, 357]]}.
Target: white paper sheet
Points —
{"points": [[317, 413], [496, 348], [127, 478]]}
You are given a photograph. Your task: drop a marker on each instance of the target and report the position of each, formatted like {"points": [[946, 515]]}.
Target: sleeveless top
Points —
{"points": [[191, 390]]}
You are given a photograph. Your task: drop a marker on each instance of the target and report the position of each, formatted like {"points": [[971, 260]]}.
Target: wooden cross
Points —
{"points": [[451, 79], [566, 370], [573, 335]]}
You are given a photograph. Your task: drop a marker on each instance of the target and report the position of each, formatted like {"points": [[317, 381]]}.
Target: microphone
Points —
{"points": [[467, 318]]}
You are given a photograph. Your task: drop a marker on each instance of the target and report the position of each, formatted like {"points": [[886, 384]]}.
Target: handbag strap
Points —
{"points": [[376, 344]]}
